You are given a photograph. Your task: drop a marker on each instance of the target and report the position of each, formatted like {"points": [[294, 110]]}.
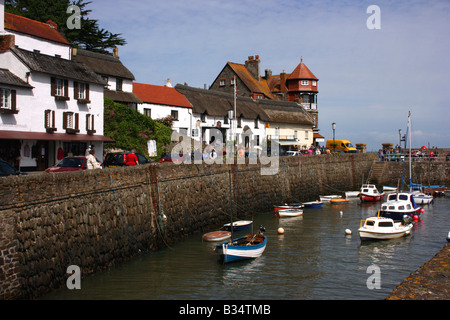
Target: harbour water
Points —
{"points": [[313, 259]]}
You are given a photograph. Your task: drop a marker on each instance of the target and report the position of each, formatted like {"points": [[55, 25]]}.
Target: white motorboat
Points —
{"points": [[400, 204], [351, 194], [381, 228], [422, 198], [369, 192]]}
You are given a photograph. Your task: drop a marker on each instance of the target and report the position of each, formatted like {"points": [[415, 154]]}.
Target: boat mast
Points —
{"points": [[410, 154]]}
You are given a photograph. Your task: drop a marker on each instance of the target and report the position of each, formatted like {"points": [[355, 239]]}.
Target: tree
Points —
{"points": [[90, 36]]}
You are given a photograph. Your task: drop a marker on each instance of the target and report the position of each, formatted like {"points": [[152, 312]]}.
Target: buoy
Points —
{"points": [[280, 231], [348, 231], [416, 217], [448, 237]]}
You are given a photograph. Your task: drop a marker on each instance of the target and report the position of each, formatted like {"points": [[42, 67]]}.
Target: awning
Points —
{"points": [[289, 143], [26, 135]]}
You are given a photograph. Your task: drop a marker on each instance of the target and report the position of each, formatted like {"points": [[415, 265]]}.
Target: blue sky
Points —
{"points": [[368, 79]]}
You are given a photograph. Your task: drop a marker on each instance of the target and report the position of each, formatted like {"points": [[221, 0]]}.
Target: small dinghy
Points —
{"points": [[313, 204], [216, 236], [339, 201], [238, 225], [288, 207], [290, 213]]}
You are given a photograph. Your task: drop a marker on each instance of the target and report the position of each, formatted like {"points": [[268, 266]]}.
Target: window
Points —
{"points": [[148, 112], [50, 121], [306, 135], [71, 122], [8, 101], [90, 128], [226, 120], [203, 117], [257, 123], [232, 82], [305, 82], [239, 122], [59, 88], [195, 132], [105, 79], [222, 83], [314, 83], [174, 114], [81, 92], [119, 84]]}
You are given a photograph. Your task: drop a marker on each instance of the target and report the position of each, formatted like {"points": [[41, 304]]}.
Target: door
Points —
{"points": [[42, 155]]}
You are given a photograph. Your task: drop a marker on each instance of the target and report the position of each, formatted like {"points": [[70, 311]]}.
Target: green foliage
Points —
{"points": [[90, 36], [131, 129]]}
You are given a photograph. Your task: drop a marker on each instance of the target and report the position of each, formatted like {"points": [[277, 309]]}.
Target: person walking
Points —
{"points": [[132, 159]]}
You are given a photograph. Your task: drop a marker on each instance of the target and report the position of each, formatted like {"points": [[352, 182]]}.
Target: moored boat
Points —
{"points": [[369, 192], [400, 204], [313, 204], [243, 248], [288, 207], [381, 228], [216, 236], [422, 198], [290, 213], [339, 201], [328, 198], [238, 225]]}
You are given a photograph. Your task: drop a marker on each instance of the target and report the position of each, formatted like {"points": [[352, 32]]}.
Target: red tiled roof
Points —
{"points": [[302, 72], [160, 95], [34, 28], [253, 85]]}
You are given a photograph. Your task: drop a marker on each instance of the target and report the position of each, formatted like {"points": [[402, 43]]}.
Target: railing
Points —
{"points": [[396, 157]]}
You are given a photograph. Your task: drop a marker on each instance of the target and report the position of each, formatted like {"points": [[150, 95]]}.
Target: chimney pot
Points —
{"points": [[116, 52]]}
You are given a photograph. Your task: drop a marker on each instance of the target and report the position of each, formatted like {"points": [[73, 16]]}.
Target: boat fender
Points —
{"points": [[280, 231], [422, 210], [348, 232], [448, 237]]}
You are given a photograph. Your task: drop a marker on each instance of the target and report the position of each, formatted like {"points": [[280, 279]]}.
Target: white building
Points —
{"points": [[164, 101], [51, 106]]}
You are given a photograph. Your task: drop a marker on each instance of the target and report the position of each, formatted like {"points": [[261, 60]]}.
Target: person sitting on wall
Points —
{"points": [[132, 159]]}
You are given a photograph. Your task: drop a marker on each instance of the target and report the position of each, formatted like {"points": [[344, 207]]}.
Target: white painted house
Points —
{"points": [[51, 106], [164, 101]]}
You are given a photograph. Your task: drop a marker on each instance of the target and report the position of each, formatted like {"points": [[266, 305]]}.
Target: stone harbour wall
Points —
{"points": [[97, 219]]}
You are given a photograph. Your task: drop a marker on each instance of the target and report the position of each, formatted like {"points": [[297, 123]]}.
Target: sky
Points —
{"points": [[369, 78]]}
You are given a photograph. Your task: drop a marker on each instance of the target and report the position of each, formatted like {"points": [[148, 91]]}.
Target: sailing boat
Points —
{"points": [[400, 204]]}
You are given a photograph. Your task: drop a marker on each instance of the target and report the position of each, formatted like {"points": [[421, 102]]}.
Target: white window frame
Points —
{"points": [[5, 98], [305, 83]]}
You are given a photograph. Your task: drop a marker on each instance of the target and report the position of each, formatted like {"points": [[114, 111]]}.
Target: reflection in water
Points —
{"points": [[313, 259]]}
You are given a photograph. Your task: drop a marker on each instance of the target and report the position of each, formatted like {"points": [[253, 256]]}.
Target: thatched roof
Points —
{"points": [[215, 103], [103, 64], [285, 112]]}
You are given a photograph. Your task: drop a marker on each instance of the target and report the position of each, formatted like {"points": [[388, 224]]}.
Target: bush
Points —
{"points": [[132, 130]]}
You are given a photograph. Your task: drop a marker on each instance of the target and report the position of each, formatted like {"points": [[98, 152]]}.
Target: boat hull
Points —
{"points": [[339, 201], [372, 235], [313, 204], [231, 253], [290, 213], [238, 225], [371, 198], [216, 236], [286, 207]]}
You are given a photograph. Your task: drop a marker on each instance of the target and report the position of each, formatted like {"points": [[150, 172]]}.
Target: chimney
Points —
{"points": [[268, 74], [253, 66], [74, 52], [283, 82], [7, 42], [116, 52], [2, 16]]}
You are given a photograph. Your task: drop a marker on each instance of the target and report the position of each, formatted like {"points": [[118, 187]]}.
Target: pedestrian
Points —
{"points": [[213, 154], [91, 162], [132, 159]]}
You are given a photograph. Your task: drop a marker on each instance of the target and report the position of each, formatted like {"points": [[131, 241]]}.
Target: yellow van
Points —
{"points": [[341, 145]]}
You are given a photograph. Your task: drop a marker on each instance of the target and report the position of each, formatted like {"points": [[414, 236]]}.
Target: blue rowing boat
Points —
{"points": [[243, 248]]}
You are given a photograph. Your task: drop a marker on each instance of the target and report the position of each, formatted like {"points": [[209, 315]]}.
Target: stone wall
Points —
{"points": [[96, 219]]}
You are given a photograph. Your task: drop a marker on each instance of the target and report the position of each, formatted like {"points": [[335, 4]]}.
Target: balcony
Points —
{"points": [[309, 106]]}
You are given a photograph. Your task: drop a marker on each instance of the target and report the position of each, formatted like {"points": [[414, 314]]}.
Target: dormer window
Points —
{"points": [[60, 88], [119, 84]]}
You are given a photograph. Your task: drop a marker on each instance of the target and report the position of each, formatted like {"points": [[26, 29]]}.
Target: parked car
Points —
{"points": [[168, 158], [117, 159], [447, 158], [69, 164], [293, 153], [8, 170]]}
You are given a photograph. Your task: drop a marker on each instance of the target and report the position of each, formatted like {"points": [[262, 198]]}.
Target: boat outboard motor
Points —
{"points": [[262, 229], [407, 220]]}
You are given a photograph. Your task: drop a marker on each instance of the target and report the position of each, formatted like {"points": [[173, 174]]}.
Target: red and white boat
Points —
{"points": [[369, 192], [288, 207]]}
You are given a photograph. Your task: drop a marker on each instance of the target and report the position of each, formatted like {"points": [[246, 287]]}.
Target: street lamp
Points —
{"points": [[333, 126], [231, 118]]}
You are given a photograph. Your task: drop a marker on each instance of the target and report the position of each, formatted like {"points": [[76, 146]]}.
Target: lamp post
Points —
{"points": [[231, 118], [333, 126]]}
